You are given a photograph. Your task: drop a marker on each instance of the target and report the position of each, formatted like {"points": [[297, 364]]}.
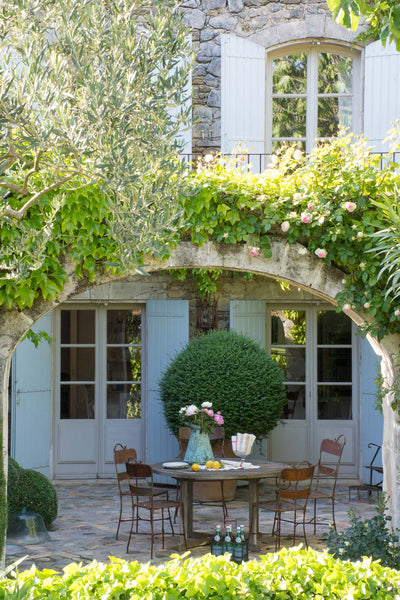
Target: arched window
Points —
{"points": [[312, 90]]}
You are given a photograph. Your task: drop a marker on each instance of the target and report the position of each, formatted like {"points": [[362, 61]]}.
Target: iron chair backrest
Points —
{"points": [[295, 483], [330, 456], [217, 438], [122, 455], [140, 477]]}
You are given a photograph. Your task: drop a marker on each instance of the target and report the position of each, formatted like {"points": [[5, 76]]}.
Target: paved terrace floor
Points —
{"points": [[87, 520]]}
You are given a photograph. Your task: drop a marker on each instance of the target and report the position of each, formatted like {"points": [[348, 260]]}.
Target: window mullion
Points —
{"points": [[312, 98]]}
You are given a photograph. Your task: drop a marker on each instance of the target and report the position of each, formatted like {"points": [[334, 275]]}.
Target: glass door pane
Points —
{"points": [[288, 349], [334, 366], [77, 364], [124, 364]]}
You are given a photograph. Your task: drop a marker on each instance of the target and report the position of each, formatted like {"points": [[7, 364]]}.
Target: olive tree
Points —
{"points": [[92, 101], [92, 93]]}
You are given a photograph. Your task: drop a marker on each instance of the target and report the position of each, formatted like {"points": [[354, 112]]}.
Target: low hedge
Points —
{"points": [[290, 574]]}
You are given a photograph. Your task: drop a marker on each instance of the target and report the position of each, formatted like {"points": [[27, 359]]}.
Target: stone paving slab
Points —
{"points": [[87, 522]]}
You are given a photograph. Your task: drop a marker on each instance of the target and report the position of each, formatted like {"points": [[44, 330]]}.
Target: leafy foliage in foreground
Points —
{"points": [[295, 573], [369, 537], [232, 372]]}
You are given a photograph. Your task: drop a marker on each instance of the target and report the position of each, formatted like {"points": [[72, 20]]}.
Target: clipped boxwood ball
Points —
{"points": [[234, 373], [32, 490]]}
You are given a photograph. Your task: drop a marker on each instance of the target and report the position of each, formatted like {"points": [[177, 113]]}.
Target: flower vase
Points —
{"points": [[199, 447]]}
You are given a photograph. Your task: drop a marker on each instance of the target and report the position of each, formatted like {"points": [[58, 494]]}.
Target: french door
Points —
{"points": [[99, 375], [316, 351]]}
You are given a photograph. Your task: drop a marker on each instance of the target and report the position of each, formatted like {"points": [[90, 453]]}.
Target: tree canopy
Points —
{"points": [[382, 17], [92, 102]]}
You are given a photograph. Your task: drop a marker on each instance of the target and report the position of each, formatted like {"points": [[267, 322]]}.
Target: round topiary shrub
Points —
{"points": [[31, 490], [234, 373]]}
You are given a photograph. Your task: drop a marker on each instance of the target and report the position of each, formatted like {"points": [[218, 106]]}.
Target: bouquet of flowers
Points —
{"points": [[204, 418]]}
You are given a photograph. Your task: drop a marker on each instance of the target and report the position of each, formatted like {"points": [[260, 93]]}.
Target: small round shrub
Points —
{"points": [[234, 373], [31, 490], [14, 471]]}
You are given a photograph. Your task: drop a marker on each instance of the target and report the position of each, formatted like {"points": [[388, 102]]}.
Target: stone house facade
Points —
{"points": [[80, 392]]}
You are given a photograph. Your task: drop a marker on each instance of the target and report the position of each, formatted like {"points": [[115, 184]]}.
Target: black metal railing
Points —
{"points": [[258, 161]]}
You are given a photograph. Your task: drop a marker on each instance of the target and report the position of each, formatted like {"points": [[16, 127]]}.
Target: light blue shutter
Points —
{"points": [[31, 402], [371, 418], [248, 317], [185, 136], [167, 333], [242, 94], [381, 92]]}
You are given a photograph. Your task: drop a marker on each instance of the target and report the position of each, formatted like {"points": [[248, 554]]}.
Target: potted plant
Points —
{"points": [[231, 371]]}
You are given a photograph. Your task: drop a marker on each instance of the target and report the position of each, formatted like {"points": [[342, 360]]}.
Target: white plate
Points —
{"points": [[175, 465]]}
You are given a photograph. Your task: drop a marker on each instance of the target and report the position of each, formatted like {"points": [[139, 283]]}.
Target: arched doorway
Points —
{"points": [[289, 263]]}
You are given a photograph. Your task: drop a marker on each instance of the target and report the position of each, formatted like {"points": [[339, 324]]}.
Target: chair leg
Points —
{"points": [[333, 513], [315, 516], [120, 516], [224, 507], [304, 528], [170, 522], [162, 527], [294, 526], [183, 525], [152, 532], [278, 531]]}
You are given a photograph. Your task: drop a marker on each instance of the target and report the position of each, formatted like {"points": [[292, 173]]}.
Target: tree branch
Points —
{"points": [[19, 214]]}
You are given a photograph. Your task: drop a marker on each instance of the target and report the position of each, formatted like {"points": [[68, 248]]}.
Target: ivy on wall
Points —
{"points": [[332, 202]]}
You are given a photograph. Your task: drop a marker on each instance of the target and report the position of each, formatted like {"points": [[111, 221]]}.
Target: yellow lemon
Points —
{"points": [[216, 464], [210, 464], [195, 467]]}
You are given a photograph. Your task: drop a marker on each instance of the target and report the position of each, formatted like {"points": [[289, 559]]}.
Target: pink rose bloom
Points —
{"points": [[219, 419], [346, 307], [306, 218], [297, 154], [208, 412], [350, 206], [254, 251], [321, 252], [297, 196], [225, 235], [191, 410], [285, 226], [310, 206]]}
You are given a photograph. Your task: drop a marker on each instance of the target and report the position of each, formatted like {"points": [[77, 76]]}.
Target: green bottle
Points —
{"points": [[238, 548], [216, 543], [228, 543]]}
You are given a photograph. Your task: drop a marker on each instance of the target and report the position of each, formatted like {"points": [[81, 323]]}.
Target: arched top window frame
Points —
{"points": [[313, 48]]}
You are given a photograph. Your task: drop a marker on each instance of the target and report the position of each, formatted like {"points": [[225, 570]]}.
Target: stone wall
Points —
{"points": [[267, 22]]}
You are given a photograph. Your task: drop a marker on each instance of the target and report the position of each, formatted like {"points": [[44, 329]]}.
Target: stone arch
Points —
{"points": [[290, 263]]}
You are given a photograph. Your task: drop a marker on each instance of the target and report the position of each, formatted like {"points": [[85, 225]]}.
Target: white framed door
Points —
{"points": [[98, 387], [317, 351]]}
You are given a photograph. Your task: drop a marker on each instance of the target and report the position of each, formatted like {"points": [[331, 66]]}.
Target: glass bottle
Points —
{"points": [[216, 543], [238, 547], [228, 542]]}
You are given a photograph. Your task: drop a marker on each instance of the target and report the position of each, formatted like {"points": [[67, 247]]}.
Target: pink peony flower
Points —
{"points": [[306, 218], [191, 410], [208, 412], [254, 251], [219, 419], [285, 226], [310, 206], [350, 206], [321, 252]]}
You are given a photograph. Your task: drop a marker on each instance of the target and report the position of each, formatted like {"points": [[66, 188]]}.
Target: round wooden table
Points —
{"points": [[186, 477]]}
